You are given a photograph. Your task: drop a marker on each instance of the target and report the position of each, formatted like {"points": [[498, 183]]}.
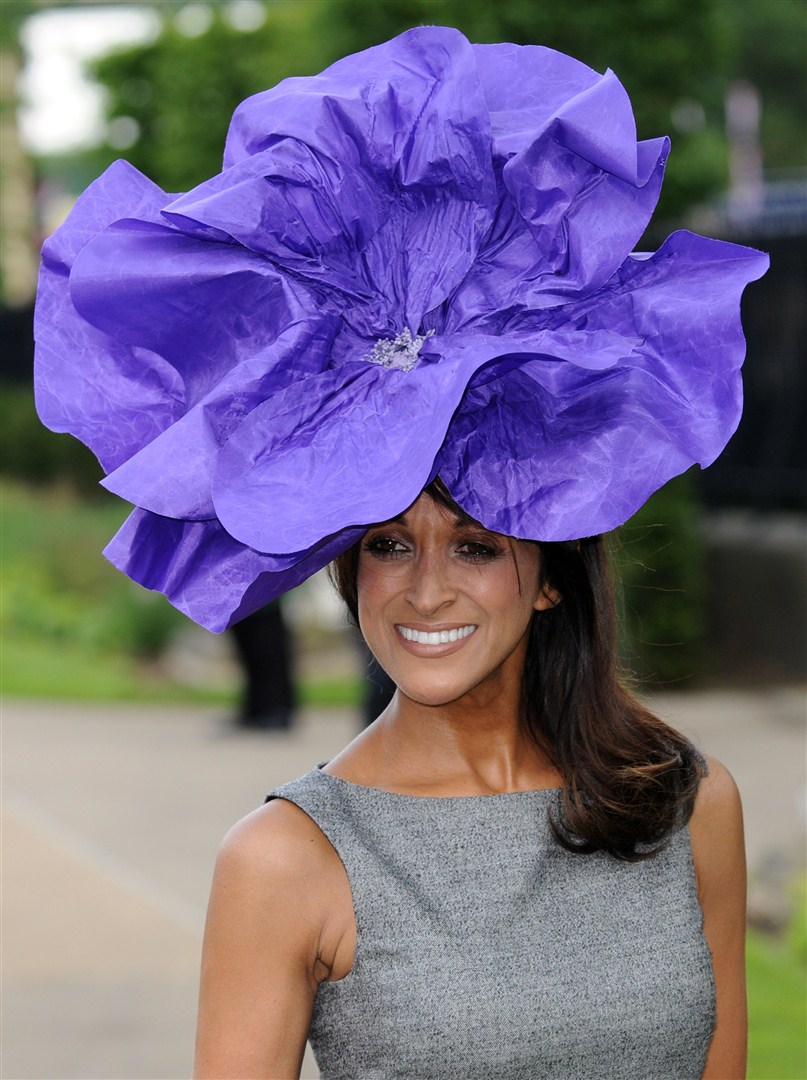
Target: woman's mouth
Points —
{"points": [[435, 637]]}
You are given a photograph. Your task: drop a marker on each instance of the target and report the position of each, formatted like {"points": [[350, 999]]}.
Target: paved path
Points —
{"points": [[111, 820]]}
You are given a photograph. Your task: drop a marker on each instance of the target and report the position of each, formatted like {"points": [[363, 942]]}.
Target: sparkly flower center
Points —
{"points": [[401, 352]]}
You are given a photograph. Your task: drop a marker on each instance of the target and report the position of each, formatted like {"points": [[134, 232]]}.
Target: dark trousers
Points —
{"points": [[264, 651]]}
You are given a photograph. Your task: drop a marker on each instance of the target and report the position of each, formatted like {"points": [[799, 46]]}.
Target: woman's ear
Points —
{"points": [[547, 598]]}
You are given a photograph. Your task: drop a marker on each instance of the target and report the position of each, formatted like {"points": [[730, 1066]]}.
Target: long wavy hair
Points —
{"points": [[630, 780]]}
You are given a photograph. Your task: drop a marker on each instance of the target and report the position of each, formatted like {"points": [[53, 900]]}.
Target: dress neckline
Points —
{"points": [[368, 790]]}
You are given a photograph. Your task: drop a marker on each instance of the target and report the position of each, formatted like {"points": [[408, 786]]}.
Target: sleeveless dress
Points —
{"points": [[486, 951]]}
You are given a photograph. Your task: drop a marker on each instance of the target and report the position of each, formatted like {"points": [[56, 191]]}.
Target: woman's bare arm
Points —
{"points": [[719, 854], [261, 961]]}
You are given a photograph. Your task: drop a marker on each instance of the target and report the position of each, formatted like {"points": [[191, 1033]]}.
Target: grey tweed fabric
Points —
{"points": [[486, 951]]}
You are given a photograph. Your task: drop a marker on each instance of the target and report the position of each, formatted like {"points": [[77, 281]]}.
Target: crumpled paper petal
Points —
{"points": [[189, 301], [191, 446], [417, 262], [600, 444], [112, 395], [289, 472], [553, 241], [352, 184], [206, 574]]}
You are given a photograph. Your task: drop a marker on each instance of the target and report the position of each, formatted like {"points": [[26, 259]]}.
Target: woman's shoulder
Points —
{"points": [[718, 799], [716, 826], [277, 863], [277, 926], [277, 842]]}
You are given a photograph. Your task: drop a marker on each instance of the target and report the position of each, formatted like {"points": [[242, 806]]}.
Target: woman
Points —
{"points": [[410, 298], [583, 766]]}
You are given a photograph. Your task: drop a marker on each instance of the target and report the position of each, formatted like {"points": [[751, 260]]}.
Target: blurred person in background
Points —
{"points": [[403, 331], [378, 687], [264, 650]]}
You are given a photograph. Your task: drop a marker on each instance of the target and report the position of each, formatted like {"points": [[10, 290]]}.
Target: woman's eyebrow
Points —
{"points": [[468, 523], [457, 523]]}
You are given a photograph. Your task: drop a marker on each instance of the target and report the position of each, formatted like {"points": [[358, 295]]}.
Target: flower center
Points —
{"points": [[401, 352]]}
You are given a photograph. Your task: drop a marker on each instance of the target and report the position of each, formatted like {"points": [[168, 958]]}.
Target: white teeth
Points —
{"points": [[435, 637]]}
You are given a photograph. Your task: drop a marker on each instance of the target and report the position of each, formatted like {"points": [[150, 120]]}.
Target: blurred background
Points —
{"points": [[133, 738]]}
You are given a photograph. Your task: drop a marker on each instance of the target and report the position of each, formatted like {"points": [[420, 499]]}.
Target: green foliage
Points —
{"points": [[347, 693], [182, 90], [769, 48], [74, 627], [659, 557], [34, 667], [58, 588], [28, 451], [13, 14]]}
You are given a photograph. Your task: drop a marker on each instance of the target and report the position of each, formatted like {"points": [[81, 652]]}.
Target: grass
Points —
{"points": [[332, 693], [777, 1000], [72, 672]]}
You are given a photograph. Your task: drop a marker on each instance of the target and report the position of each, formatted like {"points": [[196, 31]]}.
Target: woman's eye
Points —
{"points": [[476, 551], [385, 547]]}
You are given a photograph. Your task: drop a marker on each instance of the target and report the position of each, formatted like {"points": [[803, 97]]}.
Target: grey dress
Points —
{"points": [[486, 950]]}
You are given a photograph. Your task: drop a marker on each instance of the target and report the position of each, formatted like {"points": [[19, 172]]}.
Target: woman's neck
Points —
{"points": [[463, 748]]}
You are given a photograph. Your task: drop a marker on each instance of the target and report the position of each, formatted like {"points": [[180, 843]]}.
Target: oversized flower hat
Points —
{"points": [[415, 264]]}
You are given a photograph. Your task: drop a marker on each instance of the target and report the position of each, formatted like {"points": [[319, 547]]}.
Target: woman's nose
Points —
{"points": [[430, 587]]}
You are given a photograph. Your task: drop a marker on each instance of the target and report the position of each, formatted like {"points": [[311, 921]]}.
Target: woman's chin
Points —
{"points": [[430, 696], [439, 694]]}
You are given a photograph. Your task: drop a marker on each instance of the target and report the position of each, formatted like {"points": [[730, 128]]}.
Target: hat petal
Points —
{"points": [[376, 181], [207, 574], [552, 451], [396, 108], [577, 190], [203, 306], [347, 447], [525, 86], [357, 444], [114, 396], [173, 473]]}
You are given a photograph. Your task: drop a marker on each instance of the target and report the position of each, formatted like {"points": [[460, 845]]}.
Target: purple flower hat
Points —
{"points": [[417, 263]]}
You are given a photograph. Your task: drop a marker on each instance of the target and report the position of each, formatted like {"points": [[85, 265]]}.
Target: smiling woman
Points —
{"points": [[431, 587], [404, 329], [534, 653], [512, 797]]}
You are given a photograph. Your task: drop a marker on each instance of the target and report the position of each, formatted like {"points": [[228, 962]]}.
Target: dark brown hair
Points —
{"points": [[630, 779]]}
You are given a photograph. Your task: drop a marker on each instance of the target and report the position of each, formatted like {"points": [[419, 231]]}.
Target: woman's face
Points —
{"points": [[445, 605]]}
